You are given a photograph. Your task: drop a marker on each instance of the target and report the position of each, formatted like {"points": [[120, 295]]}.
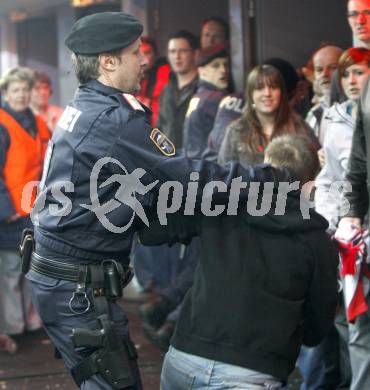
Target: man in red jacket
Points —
{"points": [[156, 77]]}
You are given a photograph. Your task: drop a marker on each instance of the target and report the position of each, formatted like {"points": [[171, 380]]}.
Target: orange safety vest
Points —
{"points": [[24, 157]]}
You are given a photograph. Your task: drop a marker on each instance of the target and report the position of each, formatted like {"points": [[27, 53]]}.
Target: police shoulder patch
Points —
{"points": [[133, 102], [161, 141], [193, 104]]}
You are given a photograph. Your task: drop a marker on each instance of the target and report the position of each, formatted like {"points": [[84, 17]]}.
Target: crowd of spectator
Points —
{"points": [[318, 102], [192, 100]]}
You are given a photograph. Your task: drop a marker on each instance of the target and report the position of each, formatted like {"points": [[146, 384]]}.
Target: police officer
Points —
{"points": [[213, 69], [230, 108], [102, 153]]}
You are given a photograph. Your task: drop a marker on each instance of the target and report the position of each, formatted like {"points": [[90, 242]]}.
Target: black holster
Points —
{"points": [[111, 353], [112, 356], [26, 248]]}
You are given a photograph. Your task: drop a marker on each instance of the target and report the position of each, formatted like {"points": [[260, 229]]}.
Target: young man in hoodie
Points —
{"points": [[264, 284]]}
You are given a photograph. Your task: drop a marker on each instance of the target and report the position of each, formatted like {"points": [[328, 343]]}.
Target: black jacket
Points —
{"points": [[359, 164], [262, 287]]}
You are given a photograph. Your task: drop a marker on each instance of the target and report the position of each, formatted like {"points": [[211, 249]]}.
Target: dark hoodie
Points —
{"points": [[262, 287]]}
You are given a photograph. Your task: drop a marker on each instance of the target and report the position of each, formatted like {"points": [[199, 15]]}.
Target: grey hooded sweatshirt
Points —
{"points": [[337, 147]]}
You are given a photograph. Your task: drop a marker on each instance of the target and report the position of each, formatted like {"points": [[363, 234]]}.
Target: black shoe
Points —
{"points": [[154, 313], [161, 337]]}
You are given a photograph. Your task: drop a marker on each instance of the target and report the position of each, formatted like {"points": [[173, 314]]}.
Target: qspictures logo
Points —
{"points": [[170, 196]]}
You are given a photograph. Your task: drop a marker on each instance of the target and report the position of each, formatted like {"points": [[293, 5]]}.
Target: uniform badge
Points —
{"points": [[162, 142]]}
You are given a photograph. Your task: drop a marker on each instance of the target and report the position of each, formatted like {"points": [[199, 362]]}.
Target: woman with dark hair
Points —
{"points": [[267, 116]]}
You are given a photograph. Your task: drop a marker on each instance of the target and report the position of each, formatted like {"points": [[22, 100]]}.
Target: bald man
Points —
{"points": [[214, 31], [325, 62]]}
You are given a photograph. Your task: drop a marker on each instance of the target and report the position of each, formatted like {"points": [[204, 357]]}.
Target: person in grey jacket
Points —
{"points": [[353, 71]]}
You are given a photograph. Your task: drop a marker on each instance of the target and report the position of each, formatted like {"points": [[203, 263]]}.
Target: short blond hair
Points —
{"points": [[296, 153], [19, 73]]}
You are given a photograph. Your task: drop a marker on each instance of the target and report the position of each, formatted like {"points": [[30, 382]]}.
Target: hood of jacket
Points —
{"points": [[293, 216], [339, 113]]}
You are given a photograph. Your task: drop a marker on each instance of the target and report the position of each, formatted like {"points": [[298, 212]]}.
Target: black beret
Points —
{"points": [[208, 54], [102, 32]]}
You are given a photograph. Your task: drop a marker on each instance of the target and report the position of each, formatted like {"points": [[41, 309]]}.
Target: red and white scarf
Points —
{"points": [[352, 243]]}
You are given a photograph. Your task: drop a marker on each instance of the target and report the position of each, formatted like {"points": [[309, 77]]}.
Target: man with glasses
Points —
{"points": [[359, 19], [358, 14]]}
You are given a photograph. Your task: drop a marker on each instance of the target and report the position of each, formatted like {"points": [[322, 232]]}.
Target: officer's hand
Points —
{"points": [[179, 228]]}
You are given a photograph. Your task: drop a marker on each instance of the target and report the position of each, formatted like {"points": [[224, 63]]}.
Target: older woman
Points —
{"points": [[267, 116], [23, 141]]}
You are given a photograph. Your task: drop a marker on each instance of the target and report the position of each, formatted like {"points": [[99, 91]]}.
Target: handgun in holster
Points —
{"points": [[111, 358], [26, 248]]}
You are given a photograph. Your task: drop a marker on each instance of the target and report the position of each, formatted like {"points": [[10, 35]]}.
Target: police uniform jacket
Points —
{"points": [[200, 118], [230, 109], [99, 123]]}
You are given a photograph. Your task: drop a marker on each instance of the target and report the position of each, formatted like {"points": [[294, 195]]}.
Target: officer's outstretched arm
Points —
{"points": [[179, 228], [148, 148]]}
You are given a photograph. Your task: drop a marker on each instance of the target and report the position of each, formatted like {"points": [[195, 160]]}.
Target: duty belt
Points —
{"points": [[72, 272], [114, 276]]}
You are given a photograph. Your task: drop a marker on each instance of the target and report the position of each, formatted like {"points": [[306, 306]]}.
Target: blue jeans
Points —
{"points": [[182, 371], [312, 368]]}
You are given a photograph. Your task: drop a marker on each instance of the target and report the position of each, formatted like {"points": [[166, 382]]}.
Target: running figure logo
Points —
{"points": [[130, 184]]}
